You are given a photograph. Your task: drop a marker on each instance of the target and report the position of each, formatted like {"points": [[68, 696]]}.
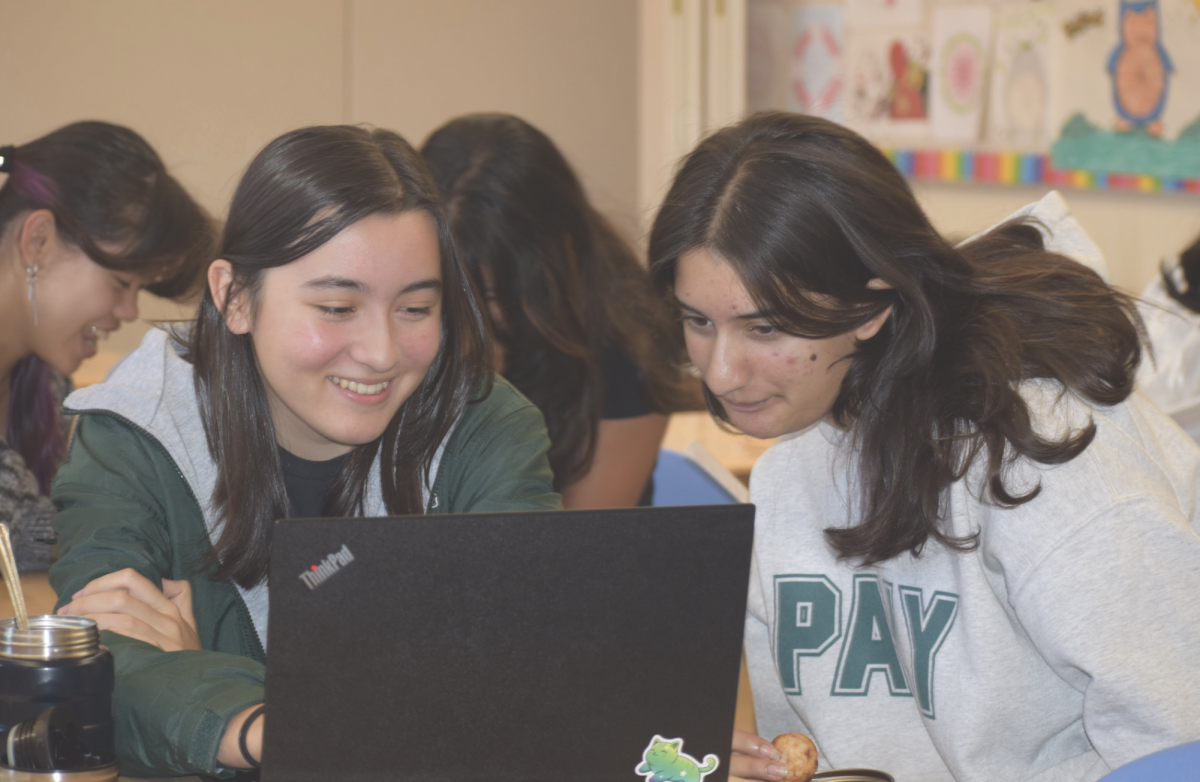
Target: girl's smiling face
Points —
{"points": [[77, 301], [344, 335], [768, 382]]}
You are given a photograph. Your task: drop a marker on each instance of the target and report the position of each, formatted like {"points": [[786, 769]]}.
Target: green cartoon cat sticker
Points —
{"points": [[663, 762]]}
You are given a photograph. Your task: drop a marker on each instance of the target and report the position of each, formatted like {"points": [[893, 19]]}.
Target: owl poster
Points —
{"points": [[1128, 77]]}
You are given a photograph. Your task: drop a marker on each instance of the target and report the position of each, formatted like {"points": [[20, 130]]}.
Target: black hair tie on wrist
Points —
{"points": [[7, 155], [245, 731]]}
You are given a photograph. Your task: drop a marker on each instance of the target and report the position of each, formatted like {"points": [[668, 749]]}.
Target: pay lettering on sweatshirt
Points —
{"points": [[809, 622]]}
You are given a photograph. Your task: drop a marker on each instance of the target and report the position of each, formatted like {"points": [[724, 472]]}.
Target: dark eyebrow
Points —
{"points": [[748, 316], [333, 281], [431, 284]]}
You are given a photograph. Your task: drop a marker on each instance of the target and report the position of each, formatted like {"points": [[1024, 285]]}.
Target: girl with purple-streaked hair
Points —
{"points": [[88, 216]]}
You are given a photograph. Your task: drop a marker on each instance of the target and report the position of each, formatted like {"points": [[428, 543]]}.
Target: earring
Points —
{"points": [[31, 273]]}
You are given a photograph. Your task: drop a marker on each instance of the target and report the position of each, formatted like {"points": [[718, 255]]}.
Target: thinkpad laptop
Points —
{"points": [[575, 645]]}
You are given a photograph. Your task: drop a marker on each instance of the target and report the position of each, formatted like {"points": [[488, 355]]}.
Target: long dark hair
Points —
{"points": [[105, 186], [808, 212], [303, 189], [567, 284]]}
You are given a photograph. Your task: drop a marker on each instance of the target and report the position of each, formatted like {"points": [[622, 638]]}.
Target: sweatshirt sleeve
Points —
{"points": [[121, 502], [1114, 610], [496, 461]]}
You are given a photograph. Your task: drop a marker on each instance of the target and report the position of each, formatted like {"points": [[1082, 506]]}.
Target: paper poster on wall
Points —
{"points": [[887, 83], [961, 35], [884, 13], [1020, 86], [818, 45], [1129, 76]]}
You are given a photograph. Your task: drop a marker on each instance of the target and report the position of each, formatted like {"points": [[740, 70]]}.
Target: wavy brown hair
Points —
{"points": [[303, 189], [567, 284], [802, 206]]}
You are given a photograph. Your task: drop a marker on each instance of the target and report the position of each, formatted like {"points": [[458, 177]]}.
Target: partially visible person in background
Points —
{"points": [[577, 325], [88, 216], [1170, 307]]}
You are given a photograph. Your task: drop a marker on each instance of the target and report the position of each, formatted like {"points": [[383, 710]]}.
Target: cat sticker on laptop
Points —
{"points": [[663, 762]]}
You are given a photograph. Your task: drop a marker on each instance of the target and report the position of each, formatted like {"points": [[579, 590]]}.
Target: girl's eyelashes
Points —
{"points": [[759, 330], [341, 311], [764, 330], [125, 284]]}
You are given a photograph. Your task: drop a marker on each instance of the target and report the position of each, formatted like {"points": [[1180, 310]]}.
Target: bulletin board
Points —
{"points": [[1090, 94]]}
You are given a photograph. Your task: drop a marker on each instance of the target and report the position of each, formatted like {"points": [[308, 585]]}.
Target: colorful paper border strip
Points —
{"points": [[1018, 168]]}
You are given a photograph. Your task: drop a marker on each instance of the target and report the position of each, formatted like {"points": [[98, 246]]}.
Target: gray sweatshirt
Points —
{"points": [[1062, 647]]}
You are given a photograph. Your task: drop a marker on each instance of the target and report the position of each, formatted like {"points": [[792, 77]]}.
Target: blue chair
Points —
{"points": [[680, 480], [1177, 764]]}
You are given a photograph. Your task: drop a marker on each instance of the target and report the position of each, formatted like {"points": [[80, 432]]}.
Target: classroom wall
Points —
{"points": [[680, 45], [209, 82]]}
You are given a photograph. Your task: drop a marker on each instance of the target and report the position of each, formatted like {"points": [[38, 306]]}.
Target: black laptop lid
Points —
{"points": [[517, 646]]}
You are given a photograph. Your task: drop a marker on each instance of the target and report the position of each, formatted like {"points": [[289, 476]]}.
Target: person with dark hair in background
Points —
{"points": [[578, 328], [1170, 307], [337, 367], [975, 550], [88, 216]]}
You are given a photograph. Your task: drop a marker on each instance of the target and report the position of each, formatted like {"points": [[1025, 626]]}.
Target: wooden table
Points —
{"points": [[39, 597], [96, 368]]}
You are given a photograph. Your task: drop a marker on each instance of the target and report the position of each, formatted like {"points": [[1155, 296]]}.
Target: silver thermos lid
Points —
{"points": [[49, 637]]}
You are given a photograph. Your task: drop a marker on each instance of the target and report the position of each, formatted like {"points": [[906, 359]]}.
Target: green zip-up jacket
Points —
{"points": [[135, 492]]}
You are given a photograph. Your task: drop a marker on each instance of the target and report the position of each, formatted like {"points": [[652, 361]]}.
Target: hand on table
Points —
{"points": [[755, 758], [128, 603]]}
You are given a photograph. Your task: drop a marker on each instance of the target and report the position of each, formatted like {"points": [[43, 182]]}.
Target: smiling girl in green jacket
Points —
{"points": [[336, 367]]}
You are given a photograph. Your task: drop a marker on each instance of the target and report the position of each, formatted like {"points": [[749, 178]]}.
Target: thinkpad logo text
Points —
{"points": [[330, 565]]}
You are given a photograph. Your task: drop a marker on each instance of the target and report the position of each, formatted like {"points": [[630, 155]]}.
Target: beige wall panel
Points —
{"points": [[1135, 231], [568, 67], [207, 82]]}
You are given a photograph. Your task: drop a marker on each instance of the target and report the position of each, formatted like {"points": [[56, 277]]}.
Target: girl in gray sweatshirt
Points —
{"points": [[976, 554]]}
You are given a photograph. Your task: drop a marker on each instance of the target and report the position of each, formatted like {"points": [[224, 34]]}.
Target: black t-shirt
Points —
{"points": [[624, 397], [623, 393], [308, 482]]}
